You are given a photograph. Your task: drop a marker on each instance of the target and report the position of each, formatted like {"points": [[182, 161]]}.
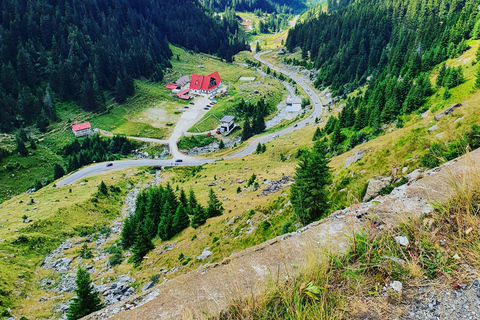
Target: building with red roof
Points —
{"points": [[82, 129], [172, 86], [184, 94], [205, 84]]}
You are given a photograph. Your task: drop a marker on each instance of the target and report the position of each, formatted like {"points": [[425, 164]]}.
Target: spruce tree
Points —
{"points": [[142, 245], [102, 188], [214, 208], [477, 81], [247, 130], [183, 199], [128, 233], [221, 145], [317, 135], [86, 300], [259, 148], [58, 171], [21, 149], [181, 220], [312, 176], [200, 216]]}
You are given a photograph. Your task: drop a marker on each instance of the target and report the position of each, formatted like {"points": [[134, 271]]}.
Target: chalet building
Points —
{"points": [[281, 52], [205, 84], [227, 124], [82, 129]]}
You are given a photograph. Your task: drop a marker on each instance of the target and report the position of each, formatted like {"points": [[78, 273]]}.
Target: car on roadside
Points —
{"points": [[179, 160], [109, 164], [192, 103], [295, 125], [205, 108]]}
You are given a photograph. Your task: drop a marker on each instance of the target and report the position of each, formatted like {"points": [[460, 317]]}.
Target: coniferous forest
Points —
{"points": [[160, 212], [86, 51], [392, 46], [270, 6]]}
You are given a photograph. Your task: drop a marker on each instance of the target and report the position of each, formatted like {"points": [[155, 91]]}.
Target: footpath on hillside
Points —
{"points": [[211, 288]]}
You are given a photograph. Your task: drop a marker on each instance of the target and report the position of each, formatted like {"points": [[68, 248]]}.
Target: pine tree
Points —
{"points": [[102, 188], [42, 122], [128, 233], [200, 216], [165, 231], [312, 176], [183, 199], [317, 135], [259, 148], [86, 300], [221, 144], [21, 149], [58, 171], [181, 220], [247, 130], [441, 75], [336, 138], [141, 246], [215, 207]]}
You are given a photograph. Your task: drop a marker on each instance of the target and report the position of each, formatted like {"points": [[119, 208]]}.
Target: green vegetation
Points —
{"points": [[96, 149], [309, 194], [86, 300], [160, 212], [186, 143]]}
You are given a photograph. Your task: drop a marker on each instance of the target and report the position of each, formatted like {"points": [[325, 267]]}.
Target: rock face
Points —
{"points": [[205, 254], [276, 185], [375, 185], [447, 111], [148, 285], [432, 128], [356, 157]]}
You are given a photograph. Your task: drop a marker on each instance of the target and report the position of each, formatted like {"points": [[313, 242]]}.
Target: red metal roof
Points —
{"points": [[184, 94], [81, 126], [171, 86], [196, 82], [211, 81]]}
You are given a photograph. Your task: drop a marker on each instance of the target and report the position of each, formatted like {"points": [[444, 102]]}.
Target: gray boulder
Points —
{"points": [[375, 185], [447, 111], [148, 285]]}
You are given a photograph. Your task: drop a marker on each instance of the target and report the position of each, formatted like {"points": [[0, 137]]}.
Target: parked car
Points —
{"points": [[109, 164], [205, 108], [186, 107], [295, 125], [192, 103], [179, 160]]}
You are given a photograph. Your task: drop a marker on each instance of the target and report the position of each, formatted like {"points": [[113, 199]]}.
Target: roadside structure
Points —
{"points": [[82, 129]]}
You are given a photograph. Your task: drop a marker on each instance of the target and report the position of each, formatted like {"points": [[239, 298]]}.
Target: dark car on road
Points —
{"points": [[179, 160], [109, 164]]}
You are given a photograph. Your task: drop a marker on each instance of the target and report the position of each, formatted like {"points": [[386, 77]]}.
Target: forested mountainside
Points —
{"points": [[270, 6], [392, 45], [79, 50]]}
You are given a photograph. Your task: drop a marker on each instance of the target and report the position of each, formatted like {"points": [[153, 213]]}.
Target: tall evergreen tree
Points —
{"points": [[312, 176], [58, 171], [214, 208], [247, 130], [199, 217], [181, 220], [127, 237], [142, 245], [21, 149], [86, 300]]}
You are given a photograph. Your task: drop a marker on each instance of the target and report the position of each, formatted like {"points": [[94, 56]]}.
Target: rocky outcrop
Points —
{"points": [[447, 111], [356, 157], [276, 185], [375, 185]]}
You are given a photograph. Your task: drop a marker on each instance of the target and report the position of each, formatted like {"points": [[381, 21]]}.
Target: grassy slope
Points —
{"points": [[58, 214]]}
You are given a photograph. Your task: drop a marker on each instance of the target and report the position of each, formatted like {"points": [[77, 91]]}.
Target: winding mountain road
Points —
{"points": [[195, 161]]}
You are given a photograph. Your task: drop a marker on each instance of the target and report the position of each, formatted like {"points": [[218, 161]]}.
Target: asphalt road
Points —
{"points": [[194, 161]]}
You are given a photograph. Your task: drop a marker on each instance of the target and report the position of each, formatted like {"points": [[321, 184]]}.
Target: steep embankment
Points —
{"points": [[209, 289]]}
